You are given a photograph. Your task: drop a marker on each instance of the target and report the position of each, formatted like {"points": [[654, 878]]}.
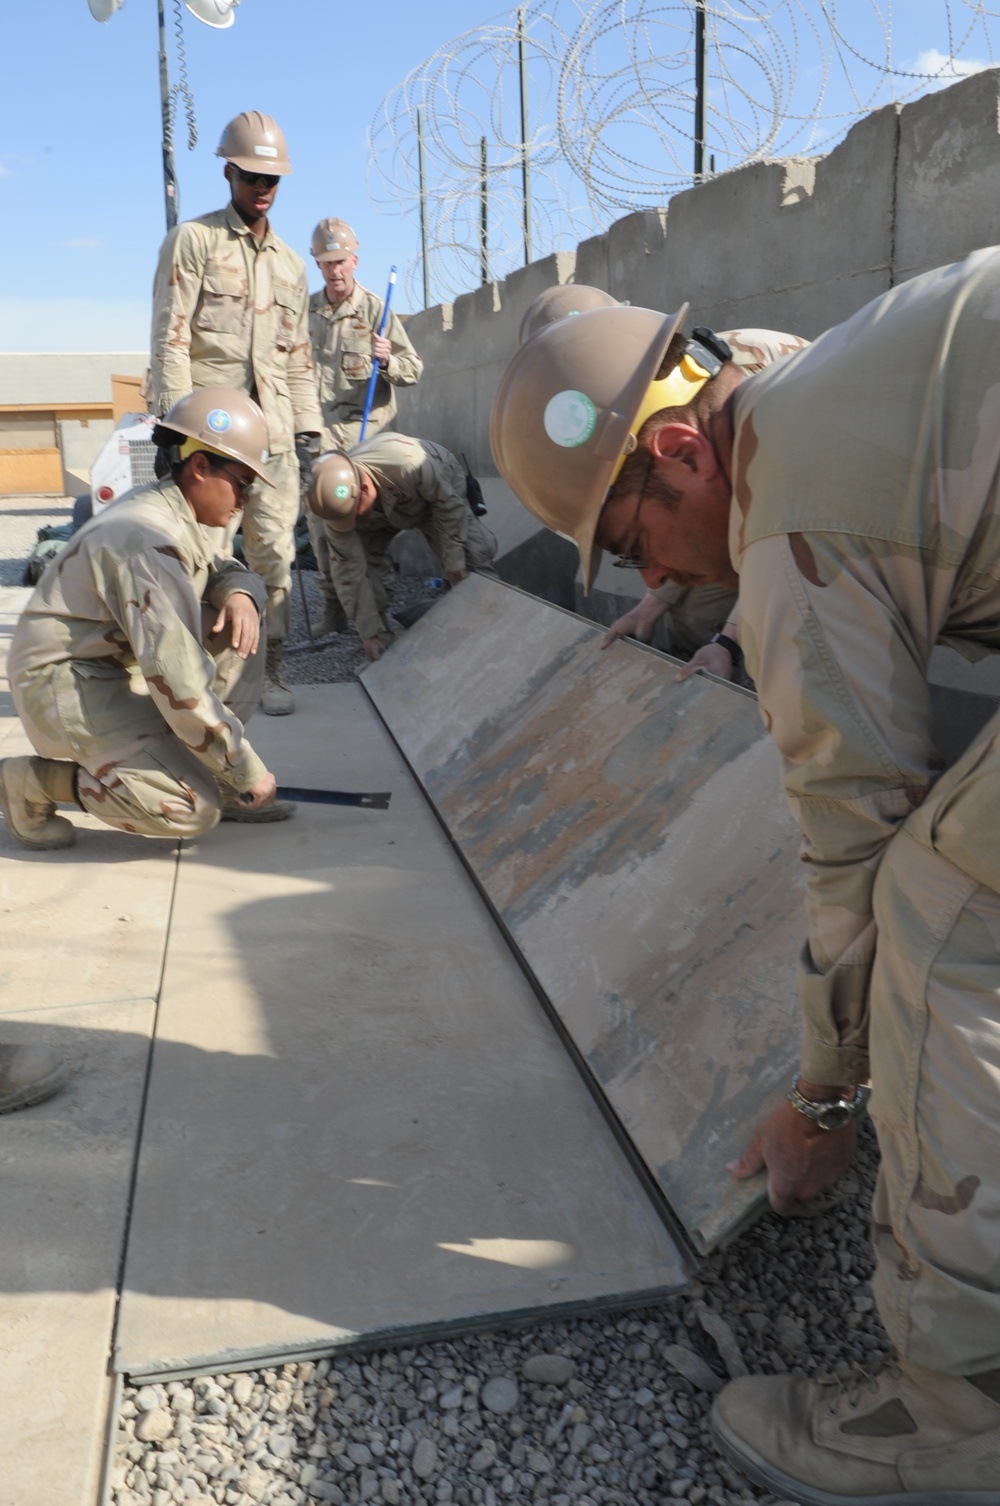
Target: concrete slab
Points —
{"points": [[360, 1123], [66, 1169], [85, 925], [632, 836]]}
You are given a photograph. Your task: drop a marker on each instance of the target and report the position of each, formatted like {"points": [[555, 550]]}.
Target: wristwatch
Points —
{"points": [[829, 1113], [730, 645]]}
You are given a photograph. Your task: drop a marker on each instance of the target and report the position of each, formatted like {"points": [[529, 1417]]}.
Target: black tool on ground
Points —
{"points": [[375, 802], [474, 493]]}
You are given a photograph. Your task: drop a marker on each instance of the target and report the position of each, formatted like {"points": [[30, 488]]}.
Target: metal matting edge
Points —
{"points": [[402, 1337]]}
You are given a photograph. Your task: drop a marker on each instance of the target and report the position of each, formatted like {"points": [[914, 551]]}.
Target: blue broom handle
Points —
{"points": [[369, 395]]}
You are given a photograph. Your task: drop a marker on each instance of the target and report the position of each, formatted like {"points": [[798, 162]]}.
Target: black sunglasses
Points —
{"points": [[269, 180]]}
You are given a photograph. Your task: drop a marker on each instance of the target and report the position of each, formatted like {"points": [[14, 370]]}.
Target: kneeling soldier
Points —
{"points": [[384, 486], [139, 656]]}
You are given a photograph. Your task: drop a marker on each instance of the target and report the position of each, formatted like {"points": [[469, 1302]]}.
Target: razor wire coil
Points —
{"points": [[611, 95]]}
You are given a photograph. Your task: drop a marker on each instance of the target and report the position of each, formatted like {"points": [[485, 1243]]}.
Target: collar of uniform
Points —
{"points": [[195, 536], [350, 305], [240, 227]]}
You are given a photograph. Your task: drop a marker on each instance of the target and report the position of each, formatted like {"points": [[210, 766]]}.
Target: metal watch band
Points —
{"points": [[829, 1113]]}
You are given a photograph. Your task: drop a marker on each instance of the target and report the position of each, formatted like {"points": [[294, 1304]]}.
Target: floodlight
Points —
{"points": [[217, 13], [103, 10]]}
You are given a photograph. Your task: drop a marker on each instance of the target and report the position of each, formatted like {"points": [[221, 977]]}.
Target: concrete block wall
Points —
{"points": [[797, 244]]}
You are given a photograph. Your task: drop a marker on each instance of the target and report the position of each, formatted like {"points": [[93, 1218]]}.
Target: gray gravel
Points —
{"points": [[607, 1410]]}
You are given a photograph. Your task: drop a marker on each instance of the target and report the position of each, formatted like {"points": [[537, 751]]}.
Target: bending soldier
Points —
{"points": [[230, 306], [854, 489], [136, 661], [346, 347], [386, 485]]}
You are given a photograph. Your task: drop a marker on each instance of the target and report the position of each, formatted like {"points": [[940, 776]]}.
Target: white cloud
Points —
{"points": [[85, 243], [74, 324], [4, 169], [940, 66]]}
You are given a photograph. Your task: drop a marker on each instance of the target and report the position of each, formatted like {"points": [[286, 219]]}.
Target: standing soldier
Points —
{"points": [[343, 327], [230, 306], [386, 485]]}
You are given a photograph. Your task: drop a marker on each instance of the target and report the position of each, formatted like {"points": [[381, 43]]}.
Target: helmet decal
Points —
{"points": [[569, 418], [342, 491], [219, 421], [265, 151]]}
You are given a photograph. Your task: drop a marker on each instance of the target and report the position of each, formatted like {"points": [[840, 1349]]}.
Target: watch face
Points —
{"points": [[834, 1116]]}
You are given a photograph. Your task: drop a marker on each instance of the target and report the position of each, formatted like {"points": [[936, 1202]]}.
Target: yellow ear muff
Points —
{"points": [[673, 391]]}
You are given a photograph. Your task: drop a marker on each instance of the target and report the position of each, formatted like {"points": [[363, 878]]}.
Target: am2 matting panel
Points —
{"points": [[632, 836]]}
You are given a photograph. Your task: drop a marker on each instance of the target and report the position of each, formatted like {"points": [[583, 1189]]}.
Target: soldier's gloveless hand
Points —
{"points": [[241, 611], [802, 1160]]}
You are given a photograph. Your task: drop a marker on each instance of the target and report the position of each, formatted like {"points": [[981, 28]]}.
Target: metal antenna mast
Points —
{"points": [[522, 63], [700, 50], [171, 199]]}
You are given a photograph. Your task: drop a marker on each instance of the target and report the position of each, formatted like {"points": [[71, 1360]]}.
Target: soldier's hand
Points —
{"points": [[801, 1159], [241, 611], [455, 576], [711, 656], [262, 793], [639, 623], [372, 647], [381, 349]]}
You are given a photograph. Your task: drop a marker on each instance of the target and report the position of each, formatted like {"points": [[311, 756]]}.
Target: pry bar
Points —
{"points": [[378, 801]]}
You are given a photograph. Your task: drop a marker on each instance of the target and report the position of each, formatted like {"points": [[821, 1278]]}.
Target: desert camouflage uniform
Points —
{"points": [[108, 670], [229, 312], [420, 485], [342, 354], [694, 613], [866, 527]]}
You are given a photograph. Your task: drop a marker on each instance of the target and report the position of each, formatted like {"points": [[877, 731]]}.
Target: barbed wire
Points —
{"points": [[610, 103]]}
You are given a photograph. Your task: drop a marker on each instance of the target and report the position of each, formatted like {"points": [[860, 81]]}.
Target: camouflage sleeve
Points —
{"points": [[230, 576], [176, 290], [301, 373], [349, 571], [449, 521], [405, 366], [838, 643], [151, 596]]}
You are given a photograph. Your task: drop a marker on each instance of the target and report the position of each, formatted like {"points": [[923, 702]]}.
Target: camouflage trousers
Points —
{"points": [[479, 546], [935, 1057], [134, 773]]}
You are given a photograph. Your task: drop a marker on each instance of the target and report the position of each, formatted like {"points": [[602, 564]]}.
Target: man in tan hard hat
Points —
{"points": [[852, 490], [386, 485], [344, 318], [230, 306], [135, 664], [702, 622]]}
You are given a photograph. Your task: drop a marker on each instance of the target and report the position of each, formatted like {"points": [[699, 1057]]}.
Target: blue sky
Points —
{"points": [[81, 195]]}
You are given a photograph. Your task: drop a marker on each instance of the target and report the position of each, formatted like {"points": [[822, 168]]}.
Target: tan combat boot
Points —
{"points": [[233, 808], [276, 699], [27, 1075], [29, 791], [904, 1436]]}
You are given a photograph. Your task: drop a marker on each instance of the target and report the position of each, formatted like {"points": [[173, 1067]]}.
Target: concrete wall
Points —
{"points": [[797, 245]]}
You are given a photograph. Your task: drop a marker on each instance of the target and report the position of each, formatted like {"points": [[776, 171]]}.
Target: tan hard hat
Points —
{"points": [[335, 490], [561, 303], [333, 240], [254, 142], [564, 416], [225, 421]]}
